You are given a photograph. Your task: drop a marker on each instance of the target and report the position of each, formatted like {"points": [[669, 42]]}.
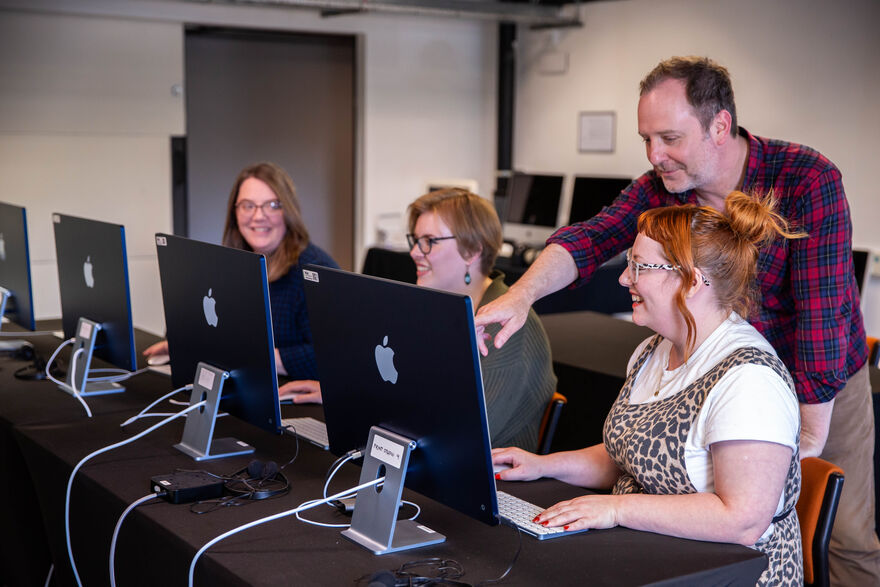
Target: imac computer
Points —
{"points": [[95, 299], [219, 328], [16, 293], [591, 193], [530, 210], [401, 380]]}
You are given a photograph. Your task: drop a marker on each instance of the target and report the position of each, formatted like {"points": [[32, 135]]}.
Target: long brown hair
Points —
{"points": [[296, 237], [724, 246]]}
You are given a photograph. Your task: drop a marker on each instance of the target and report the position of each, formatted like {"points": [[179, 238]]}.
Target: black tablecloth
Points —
{"points": [[45, 433]]}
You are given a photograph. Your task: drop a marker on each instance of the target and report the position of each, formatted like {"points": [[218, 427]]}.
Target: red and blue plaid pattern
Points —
{"points": [[809, 309]]}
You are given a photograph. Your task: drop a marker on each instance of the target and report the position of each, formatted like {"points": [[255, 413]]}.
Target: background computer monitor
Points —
{"points": [[15, 271], [404, 358], [860, 266], [529, 211], [93, 282], [592, 193], [217, 311]]}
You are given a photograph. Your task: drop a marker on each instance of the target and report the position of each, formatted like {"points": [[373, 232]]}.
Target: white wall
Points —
{"points": [[85, 118], [803, 70], [86, 112]]}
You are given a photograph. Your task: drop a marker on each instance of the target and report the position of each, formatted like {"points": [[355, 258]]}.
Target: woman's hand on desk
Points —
{"points": [[304, 391]]}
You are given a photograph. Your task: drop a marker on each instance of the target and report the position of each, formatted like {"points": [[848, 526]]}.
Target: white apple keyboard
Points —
{"points": [[520, 514], [310, 429]]}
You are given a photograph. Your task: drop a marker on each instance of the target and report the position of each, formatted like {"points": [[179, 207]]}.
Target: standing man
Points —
{"points": [[809, 304]]}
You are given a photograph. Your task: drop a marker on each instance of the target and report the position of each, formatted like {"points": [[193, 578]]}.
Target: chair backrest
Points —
{"points": [[550, 421], [873, 348], [821, 485]]}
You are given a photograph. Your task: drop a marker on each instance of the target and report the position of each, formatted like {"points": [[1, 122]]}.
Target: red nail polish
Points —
{"points": [[535, 519], [498, 476], [565, 527], [544, 523]]}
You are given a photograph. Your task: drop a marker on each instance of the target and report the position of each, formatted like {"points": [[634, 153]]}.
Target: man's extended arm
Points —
{"points": [[552, 270]]}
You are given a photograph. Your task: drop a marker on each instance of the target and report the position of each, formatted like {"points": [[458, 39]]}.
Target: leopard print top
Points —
{"points": [[647, 441]]}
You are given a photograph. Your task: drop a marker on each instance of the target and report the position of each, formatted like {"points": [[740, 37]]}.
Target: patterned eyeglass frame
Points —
{"points": [[634, 267]]}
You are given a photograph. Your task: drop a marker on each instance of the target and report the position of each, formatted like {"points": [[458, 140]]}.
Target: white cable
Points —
{"points": [[187, 387], [72, 385], [299, 508], [96, 453], [52, 360], [116, 534], [49, 576], [333, 472], [122, 374], [145, 415]]}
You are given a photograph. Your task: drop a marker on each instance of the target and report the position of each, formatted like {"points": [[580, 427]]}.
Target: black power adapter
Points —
{"points": [[187, 486]]}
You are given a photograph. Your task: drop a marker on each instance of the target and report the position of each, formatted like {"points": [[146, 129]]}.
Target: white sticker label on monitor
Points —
{"points": [[311, 275], [56, 218], [206, 378], [161, 241], [386, 451], [85, 330]]}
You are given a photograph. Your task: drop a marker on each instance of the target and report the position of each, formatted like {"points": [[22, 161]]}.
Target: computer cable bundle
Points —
{"points": [[334, 468], [447, 572], [144, 413], [259, 480], [50, 377], [302, 507], [135, 504], [96, 453], [121, 374]]}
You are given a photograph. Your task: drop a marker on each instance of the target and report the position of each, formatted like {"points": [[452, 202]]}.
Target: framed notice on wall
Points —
{"points": [[596, 132]]}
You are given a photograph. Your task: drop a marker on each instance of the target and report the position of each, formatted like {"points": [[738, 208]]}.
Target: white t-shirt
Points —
{"points": [[750, 402]]}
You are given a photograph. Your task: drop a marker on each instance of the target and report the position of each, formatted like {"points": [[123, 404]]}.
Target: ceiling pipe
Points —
{"points": [[536, 15]]}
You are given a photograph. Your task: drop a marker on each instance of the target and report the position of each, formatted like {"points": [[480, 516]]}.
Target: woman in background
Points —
{"points": [[263, 216], [454, 240]]}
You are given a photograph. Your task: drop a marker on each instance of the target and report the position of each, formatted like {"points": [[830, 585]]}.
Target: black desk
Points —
{"points": [[602, 294], [590, 353], [157, 541]]}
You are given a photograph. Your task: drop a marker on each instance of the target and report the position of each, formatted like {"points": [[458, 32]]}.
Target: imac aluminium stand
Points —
{"points": [[198, 432], [78, 373], [7, 346], [374, 523]]}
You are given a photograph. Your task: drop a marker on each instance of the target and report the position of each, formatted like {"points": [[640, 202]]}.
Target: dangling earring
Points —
{"points": [[467, 275]]}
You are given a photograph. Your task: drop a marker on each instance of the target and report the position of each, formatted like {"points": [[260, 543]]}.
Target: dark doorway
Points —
{"points": [[283, 97]]}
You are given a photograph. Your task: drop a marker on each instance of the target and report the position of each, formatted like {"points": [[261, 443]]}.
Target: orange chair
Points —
{"points": [[550, 421], [873, 347], [821, 486]]}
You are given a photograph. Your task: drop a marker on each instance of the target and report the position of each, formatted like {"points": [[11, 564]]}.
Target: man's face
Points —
{"points": [[681, 151]]}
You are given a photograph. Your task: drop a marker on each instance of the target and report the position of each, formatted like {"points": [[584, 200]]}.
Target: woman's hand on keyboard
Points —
{"points": [[304, 391], [587, 511], [524, 466]]}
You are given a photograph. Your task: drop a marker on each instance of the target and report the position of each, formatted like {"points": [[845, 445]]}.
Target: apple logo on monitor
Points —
{"points": [[2, 248], [385, 361], [87, 272], [209, 306]]}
